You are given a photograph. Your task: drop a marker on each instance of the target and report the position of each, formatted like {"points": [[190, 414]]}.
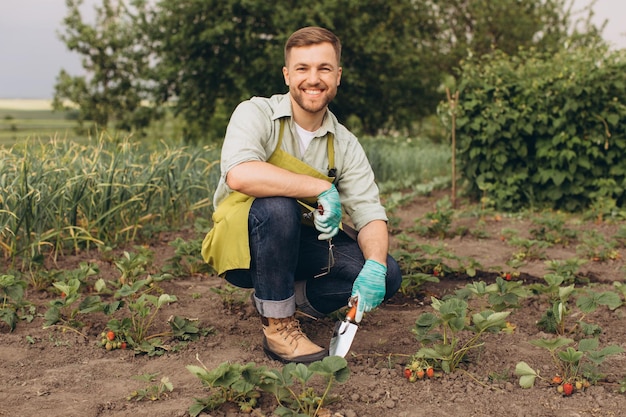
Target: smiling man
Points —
{"points": [[289, 171]]}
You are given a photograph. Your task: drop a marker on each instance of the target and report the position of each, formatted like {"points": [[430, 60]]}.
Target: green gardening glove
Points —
{"points": [[369, 287], [328, 215]]}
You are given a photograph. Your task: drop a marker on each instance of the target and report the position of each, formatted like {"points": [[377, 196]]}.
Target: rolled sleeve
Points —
{"points": [[357, 187]]}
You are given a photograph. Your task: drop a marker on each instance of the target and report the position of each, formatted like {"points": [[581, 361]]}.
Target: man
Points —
{"points": [[285, 159]]}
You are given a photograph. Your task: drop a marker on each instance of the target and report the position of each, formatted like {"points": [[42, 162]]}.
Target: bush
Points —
{"points": [[543, 130]]}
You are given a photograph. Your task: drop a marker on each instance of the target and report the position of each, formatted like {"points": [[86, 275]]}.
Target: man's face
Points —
{"points": [[313, 75]]}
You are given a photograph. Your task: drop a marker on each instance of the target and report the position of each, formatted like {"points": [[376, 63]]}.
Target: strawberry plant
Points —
{"points": [[143, 312], [229, 383], [232, 297], [436, 223], [501, 295], [185, 261], [296, 394], [575, 369], [551, 228], [440, 332], [154, 391], [568, 269], [12, 296], [597, 248], [133, 265]]}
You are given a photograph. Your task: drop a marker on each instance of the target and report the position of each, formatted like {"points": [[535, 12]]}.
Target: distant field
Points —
{"points": [[34, 119], [25, 104]]}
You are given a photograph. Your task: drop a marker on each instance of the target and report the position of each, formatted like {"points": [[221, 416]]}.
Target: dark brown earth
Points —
{"points": [[53, 372]]}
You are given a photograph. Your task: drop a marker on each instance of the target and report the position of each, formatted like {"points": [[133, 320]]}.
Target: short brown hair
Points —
{"points": [[313, 35]]}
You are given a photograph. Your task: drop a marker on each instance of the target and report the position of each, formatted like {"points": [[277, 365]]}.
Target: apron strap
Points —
{"points": [[330, 149]]}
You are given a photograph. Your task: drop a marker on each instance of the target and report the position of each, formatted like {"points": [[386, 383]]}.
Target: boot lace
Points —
{"points": [[290, 329]]}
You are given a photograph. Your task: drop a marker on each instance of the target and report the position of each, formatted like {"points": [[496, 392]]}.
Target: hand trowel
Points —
{"points": [[343, 334]]}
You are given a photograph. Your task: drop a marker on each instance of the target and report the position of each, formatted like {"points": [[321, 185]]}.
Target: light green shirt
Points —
{"points": [[252, 135]]}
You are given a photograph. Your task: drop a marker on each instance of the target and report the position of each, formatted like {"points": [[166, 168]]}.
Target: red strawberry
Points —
{"points": [[407, 373], [568, 389], [110, 335], [430, 372]]}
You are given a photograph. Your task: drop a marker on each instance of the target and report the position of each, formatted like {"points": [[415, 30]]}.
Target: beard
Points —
{"points": [[315, 104]]}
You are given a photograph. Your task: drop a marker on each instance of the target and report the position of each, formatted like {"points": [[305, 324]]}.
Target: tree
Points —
{"points": [[200, 58], [116, 64]]}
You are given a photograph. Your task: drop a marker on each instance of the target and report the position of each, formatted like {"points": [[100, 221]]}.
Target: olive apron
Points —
{"points": [[226, 246]]}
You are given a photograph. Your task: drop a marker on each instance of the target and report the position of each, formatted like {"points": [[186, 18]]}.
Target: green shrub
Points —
{"points": [[543, 130]]}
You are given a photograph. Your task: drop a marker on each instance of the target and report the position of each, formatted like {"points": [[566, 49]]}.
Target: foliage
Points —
{"points": [[152, 392], [554, 318], [201, 58], [292, 386], [185, 260], [500, 295], [232, 297], [142, 308], [436, 223], [572, 365], [440, 332], [294, 391], [12, 293], [115, 85], [422, 263], [229, 383], [61, 196], [543, 130]]}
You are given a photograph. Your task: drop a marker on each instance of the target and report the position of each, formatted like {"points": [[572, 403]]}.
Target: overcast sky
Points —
{"points": [[31, 54]]}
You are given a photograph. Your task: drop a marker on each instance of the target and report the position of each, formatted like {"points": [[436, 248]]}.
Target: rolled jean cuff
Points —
{"points": [[276, 309]]}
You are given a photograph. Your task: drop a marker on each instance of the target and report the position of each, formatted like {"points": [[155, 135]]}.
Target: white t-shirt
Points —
{"points": [[305, 137]]}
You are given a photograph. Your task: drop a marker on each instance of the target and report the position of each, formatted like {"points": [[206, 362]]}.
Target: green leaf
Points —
{"points": [[586, 345], [552, 344], [527, 381], [165, 299], [610, 299], [100, 285], [522, 368]]}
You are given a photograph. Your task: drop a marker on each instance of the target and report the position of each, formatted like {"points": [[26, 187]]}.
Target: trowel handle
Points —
{"points": [[351, 313]]}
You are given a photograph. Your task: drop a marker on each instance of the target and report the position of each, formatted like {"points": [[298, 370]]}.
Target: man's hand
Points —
{"points": [[328, 216], [369, 287]]}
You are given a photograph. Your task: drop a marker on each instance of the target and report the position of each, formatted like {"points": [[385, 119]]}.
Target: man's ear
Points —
{"points": [[286, 75]]}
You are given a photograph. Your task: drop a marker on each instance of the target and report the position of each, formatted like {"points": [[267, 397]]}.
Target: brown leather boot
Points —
{"points": [[284, 340]]}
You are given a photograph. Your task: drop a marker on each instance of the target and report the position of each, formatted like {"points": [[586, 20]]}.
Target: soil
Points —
{"points": [[58, 372]]}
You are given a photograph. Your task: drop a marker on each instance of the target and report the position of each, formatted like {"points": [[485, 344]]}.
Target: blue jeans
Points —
{"points": [[285, 257]]}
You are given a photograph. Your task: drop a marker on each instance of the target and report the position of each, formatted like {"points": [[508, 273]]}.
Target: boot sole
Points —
{"points": [[305, 359]]}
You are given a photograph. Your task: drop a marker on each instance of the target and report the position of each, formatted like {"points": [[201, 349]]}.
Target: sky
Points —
{"points": [[31, 54]]}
